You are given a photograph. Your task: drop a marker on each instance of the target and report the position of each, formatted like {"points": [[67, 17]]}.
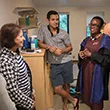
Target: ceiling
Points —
{"points": [[76, 3]]}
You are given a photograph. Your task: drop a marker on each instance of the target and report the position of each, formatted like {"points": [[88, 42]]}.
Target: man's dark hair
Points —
{"points": [[100, 19], [52, 12], [8, 33]]}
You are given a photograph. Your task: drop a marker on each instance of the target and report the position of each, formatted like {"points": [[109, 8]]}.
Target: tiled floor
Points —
{"points": [[58, 105]]}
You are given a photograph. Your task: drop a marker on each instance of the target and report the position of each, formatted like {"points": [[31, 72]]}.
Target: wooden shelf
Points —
{"points": [[26, 11], [29, 27]]}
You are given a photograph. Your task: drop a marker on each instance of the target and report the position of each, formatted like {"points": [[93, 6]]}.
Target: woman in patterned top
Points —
{"points": [[14, 69]]}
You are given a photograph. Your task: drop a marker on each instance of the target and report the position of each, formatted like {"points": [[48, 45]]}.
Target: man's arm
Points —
{"points": [[43, 45], [67, 49], [59, 51], [52, 49]]}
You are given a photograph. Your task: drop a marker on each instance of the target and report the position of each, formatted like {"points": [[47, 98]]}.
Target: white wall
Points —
{"points": [[77, 21], [7, 7]]}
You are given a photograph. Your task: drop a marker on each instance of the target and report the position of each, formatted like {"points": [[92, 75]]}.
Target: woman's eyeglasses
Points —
{"points": [[94, 25]]}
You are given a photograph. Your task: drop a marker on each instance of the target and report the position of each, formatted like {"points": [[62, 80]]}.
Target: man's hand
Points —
{"points": [[58, 52], [52, 49]]}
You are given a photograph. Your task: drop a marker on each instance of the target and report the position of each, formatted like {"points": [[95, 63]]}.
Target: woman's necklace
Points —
{"points": [[94, 38]]}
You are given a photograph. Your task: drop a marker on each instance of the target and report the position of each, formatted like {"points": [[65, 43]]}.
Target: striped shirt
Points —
{"points": [[23, 78]]}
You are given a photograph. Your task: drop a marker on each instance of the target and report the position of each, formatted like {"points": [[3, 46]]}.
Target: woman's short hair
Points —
{"points": [[100, 19], [8, 33]]}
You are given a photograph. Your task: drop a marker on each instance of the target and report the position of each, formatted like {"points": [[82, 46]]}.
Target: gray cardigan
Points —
{"points": [[5, 101]]}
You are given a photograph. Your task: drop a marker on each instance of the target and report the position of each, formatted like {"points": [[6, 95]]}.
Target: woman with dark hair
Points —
{"points": [[94, 59], [14, 69]]}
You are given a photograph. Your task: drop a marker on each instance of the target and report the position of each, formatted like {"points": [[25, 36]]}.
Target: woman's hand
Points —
{"points": [[34, 95], [87, 53], [81, 54], [34, 98]]}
